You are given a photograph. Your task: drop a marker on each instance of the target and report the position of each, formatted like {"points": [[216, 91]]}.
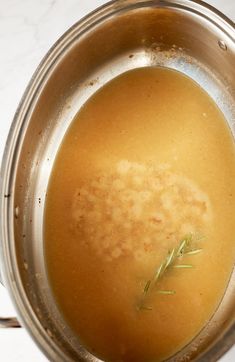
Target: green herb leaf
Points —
{"points": [[182, 266], [146, 308], [166, 292], [192, 252], [147, 286]]}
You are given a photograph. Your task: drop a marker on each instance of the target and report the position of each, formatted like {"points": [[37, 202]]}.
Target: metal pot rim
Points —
{"points": [[12, 149]]}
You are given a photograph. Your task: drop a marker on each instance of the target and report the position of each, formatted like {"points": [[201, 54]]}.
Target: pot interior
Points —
{"points": [[124, 35]]}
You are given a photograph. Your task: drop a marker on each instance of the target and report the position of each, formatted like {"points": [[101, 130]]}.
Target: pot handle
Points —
{"points": [[10, 322]]}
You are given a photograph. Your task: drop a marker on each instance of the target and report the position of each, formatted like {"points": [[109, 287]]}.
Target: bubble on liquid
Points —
{"points": [[222, 45], [17, 212], [137, 200]]}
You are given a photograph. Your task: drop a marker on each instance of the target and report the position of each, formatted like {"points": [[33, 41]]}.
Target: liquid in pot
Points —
{"points": [[139, 221]]}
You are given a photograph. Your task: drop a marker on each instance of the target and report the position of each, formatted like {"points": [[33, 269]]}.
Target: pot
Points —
{"points": [[189, 36]]}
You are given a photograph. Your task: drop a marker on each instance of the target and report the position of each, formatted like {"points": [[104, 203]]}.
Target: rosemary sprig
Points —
{"points": [[184, 248]]}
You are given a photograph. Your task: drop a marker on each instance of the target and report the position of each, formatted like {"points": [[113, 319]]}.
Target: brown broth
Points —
{"points": [[147, 160]]}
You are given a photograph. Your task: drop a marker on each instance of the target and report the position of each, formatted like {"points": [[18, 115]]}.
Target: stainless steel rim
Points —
{"points": [[12, 149]]}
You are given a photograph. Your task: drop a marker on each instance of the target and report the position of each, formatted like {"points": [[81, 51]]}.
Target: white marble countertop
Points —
{"points": [[28, 28]]}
